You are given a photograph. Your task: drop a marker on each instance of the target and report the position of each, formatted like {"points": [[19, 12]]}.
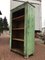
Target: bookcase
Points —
{"points": [[22, 29]]}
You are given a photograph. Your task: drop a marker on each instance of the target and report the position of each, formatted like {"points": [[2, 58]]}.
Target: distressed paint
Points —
{"points": [[28, 28]]}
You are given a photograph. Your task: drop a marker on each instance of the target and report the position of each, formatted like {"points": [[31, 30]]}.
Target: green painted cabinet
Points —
{"points": [[22, 29]]}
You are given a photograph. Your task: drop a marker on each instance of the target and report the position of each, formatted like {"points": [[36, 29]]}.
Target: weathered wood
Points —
{"points": [[22, 34]]}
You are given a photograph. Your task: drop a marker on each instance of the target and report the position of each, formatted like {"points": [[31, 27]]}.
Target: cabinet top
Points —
{"points": [[24, 4]]}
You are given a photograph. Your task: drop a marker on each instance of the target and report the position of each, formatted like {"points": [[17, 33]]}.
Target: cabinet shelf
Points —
{"points": [[18, 17], [18, 28], [18, 51], [18, 39]]}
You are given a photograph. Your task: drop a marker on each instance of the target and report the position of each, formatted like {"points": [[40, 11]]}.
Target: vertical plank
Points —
{"points": [[25, 29], [10, 29]]}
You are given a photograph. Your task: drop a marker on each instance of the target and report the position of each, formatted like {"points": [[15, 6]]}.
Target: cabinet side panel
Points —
{"points": [[30, 30]]}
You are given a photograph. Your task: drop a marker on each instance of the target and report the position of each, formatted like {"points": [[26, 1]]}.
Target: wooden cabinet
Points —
{"points": [[22, 29]]}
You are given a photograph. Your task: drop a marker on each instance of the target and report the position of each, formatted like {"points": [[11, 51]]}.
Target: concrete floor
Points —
{"points": [[6, 54]]}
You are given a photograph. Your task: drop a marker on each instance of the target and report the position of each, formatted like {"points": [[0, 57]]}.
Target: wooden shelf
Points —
{"points": [[17, 50], [18, 39], [18, 31], [18, 28], [18, 17]]}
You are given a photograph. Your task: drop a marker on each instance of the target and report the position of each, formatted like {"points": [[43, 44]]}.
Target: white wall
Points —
{"points": [[14, 4], [38, 20]]}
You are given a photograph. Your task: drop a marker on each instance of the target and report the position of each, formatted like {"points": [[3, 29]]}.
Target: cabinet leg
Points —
{"points": [[26, 56]]}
